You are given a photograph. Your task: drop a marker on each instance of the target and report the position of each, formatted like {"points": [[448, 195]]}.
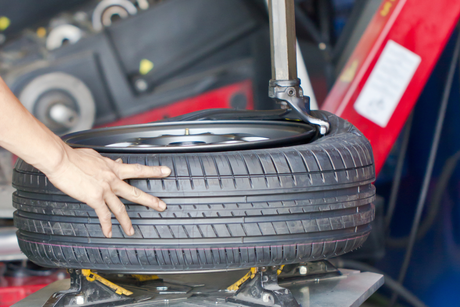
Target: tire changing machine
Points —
{"points": [[306, 284], [310, 284]]}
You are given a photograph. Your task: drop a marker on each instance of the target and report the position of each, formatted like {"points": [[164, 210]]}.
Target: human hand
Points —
{"points": [[80, 173], [97, 181]]}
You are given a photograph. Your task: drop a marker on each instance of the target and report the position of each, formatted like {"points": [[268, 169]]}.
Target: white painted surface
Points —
{"points": [[387, 83]]}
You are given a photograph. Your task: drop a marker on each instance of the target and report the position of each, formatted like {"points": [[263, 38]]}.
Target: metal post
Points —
{"points": [[285, 86], [283, 39]]}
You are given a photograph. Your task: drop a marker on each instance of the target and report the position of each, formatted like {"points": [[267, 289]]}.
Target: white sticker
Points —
{"points": [[387, 83]]}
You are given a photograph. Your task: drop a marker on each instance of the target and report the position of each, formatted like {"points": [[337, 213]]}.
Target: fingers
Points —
{"points": [[105, 217], [119, 210], [126, 171], [122, 189], [135, 195]]}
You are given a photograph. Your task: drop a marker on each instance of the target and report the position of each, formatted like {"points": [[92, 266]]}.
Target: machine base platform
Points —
{"points": [[350, 289]]}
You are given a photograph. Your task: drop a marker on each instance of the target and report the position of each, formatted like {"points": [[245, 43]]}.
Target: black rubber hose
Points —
{"points": [[389, 282], [434, 205], [398, 172], [429, 169]]}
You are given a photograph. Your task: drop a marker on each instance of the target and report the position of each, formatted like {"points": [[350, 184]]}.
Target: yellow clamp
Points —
{"points": [[145, 277], [249, 275], [280, 269], [90, 276]]}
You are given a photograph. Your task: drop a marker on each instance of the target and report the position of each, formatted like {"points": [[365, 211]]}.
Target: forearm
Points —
{"points": [[83, 174], [25, 136]]}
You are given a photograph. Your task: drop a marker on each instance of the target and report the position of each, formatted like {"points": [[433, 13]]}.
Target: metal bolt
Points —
{"points": [[303, 270], [80, 300], [141, 85], [163, 288], [63, 115], [263, 269], [291, 91], [322, 46], [143, 4], [267, 298]]}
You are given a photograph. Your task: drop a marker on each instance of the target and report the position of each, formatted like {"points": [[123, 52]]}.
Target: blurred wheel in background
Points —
{"points": [[61, 101], [62, 34], [108, 11]]}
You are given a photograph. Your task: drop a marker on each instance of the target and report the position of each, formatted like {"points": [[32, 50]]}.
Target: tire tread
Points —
{"points": [[225, 209]]}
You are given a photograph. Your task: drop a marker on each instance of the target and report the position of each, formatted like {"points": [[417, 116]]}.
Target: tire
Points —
{"points": [[226, 210]]}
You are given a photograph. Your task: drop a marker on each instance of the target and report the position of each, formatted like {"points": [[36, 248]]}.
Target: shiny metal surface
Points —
{"points": [[188, 136], [302, 73], [349, 290], [285, 86], [63, 115], [190, 140], [190, 273], [283, 42], [291, 95], [112, 11], [102, 15], [62, 33]]}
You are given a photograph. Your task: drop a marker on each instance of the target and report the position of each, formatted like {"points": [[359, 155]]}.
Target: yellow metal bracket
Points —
{"points": [[145, 277], [249, 275], [90, 276], [280, 269]]}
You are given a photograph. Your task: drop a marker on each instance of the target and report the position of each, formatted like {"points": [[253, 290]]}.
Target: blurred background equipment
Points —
{"points": [[173, 59], [146, 60]]}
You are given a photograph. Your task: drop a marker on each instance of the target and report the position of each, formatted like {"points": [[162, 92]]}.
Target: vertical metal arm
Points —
{"points": [[283, 39], [285, 86]]}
